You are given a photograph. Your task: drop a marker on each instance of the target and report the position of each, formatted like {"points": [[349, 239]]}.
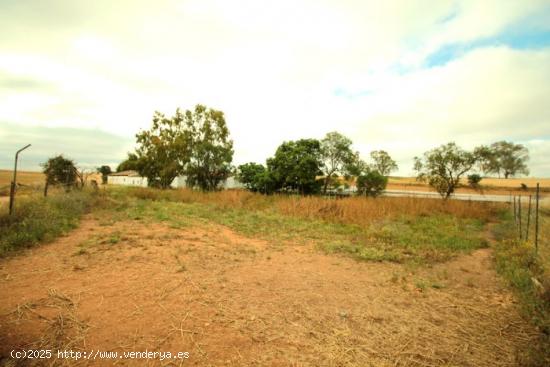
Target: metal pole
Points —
{"points": [[515, 216], [14, 182], [537, 220], [519, 216], [528, 219]]}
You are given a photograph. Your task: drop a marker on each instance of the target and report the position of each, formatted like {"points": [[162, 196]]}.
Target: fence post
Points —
{"points": [[528, 219], [13, 187], [515, 211], [519, 217], [537, 220]]}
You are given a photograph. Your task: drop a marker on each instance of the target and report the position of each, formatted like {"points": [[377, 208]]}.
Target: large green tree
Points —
{"points": [[194, 143], [59, 171], [383, 163], [502, 158], [210, 148], [511, 159], [163, 151], [442, 167], [131, 163], [296, 165], [337, 157], [251, 175]]}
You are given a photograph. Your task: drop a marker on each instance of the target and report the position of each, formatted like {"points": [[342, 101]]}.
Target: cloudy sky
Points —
{"points": [[82, 77]]}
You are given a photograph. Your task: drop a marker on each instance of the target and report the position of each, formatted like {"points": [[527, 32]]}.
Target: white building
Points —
{"points": [[127, 178], [132, 178]]}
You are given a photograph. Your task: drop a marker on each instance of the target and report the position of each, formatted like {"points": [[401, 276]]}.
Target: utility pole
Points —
{"points": [[14, 182]]}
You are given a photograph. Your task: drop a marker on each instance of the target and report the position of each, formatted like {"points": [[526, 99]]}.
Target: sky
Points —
{"points": [[81, 78]]}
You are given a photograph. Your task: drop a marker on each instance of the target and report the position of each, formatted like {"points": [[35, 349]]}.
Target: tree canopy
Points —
{"points": [[162, 151], [383, 163], [195, 143], [337, 157], [131, 163], [251, 176], [105, 171], [371, 183], [59, 171], [210, 148], [503, 158], [296, 165], [442, 167]]}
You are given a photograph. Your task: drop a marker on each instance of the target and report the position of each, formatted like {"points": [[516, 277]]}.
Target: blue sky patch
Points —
{"points": [[513, 38]]}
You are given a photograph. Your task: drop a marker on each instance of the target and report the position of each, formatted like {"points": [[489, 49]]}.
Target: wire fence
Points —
{"points": [[531, 214]]}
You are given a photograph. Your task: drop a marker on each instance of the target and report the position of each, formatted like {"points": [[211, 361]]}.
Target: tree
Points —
{"points": [[59, 171], [296, 165], [510, 158], [442, 167], [337, 157], [383, 163], [371, 183], [105, 171], [132, 163], [251, 174], [210, 148], [164, 150], [486, 160]]}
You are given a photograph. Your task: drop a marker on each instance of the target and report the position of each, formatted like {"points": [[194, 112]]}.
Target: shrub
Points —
{"points": [[371, 184], [474, 180]]}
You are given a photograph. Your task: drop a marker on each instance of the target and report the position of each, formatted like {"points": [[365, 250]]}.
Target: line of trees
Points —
{"points": [[443, 167], [196, 143], [311, 166]]}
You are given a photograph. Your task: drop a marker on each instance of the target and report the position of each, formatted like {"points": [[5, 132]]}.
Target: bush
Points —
{"points": [[371, 184], [474, 180]]}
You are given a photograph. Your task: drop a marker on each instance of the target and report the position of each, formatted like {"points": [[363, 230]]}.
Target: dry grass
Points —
{"points": [[23, 177], [354, 210], [488, 185]]}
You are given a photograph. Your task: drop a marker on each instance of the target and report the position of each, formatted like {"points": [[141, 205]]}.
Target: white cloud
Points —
{"points": [[273, 68]]}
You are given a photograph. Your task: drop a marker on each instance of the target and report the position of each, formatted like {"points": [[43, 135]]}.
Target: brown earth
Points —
{"points": [[235, 301]]}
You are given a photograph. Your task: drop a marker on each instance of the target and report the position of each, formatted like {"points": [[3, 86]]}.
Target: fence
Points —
{"points": [[531, 214]]}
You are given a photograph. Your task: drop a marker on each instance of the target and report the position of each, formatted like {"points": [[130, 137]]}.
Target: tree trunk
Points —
{"points": [[46, 189]]}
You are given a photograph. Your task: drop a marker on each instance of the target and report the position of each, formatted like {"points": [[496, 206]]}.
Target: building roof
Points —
{"points": [[126, 173]]}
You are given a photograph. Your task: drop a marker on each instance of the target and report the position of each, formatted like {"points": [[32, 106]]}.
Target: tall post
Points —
{"points": [[528, 219], [515, 211], [537, 197], [14, 182], [519, 217]]}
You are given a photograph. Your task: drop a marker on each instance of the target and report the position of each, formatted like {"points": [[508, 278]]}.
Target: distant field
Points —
{"points": [[28, 178], [23, 177], [489, 185]]}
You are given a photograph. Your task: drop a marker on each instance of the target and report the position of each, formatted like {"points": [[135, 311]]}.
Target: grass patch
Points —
{"points": [[38, 219], [525, 272], [399, 237]]}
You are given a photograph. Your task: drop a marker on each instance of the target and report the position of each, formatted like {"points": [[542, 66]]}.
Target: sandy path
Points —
{"points": [[234, 301]]}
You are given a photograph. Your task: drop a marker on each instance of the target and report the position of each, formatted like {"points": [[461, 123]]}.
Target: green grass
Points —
{"points": [[517, 262], [39, 219], [423, 239]]}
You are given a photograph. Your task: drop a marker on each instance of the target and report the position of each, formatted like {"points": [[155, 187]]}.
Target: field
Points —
{"points": [[29, 181], [239, 279], [491, 186]]}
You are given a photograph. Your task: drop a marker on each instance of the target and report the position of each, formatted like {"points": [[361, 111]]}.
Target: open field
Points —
{"points": [[23, 177], [29, 181], [489, 186], [240, 279]]}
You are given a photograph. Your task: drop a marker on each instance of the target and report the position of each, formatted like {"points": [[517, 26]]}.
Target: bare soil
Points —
{"points": [[235, 301]]}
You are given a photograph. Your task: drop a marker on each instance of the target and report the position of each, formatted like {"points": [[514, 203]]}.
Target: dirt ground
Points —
{"points": [[235, 301]]}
